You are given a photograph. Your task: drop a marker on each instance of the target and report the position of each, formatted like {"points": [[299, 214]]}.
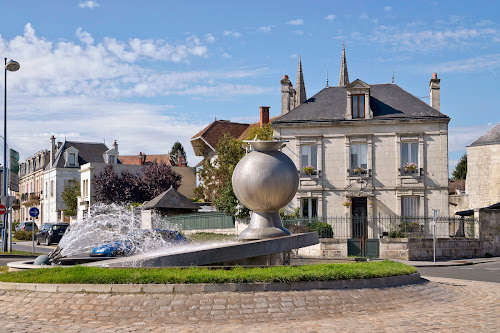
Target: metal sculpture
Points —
{"points": [[265, 180]]}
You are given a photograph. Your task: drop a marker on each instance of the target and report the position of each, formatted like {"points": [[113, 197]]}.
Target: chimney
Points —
{"points": [[141, 158], [434, 91], [52, 150], [264, 115], [115, 146], [286, 92], [179, 158]]}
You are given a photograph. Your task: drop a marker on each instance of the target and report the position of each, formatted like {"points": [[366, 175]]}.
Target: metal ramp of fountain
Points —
{"points": [[256, 252]]}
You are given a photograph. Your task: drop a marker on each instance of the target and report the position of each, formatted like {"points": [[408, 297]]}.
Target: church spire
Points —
{"points": [[300, 88], [344, 75]]}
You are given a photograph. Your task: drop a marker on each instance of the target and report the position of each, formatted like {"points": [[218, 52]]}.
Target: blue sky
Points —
{"points": [[152, 72]]}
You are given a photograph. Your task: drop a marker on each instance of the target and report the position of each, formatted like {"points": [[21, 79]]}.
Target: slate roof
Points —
{"points": [[216, 130], [387, 101], [489, 138], [170, 199], [88, 152]]}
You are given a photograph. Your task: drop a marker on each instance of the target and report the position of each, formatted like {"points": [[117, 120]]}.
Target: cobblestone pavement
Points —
{"points": [[444, 305]]}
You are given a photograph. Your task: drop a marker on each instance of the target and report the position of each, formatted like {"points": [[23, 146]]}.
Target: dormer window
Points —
{"points": [[71, 159], [112, 159], [358, 106]]}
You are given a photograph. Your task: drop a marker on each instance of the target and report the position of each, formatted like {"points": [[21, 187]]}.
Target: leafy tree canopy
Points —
{"points": [[461, 168], [69, 196], [178, 149], [217, 174], [155, 179]]}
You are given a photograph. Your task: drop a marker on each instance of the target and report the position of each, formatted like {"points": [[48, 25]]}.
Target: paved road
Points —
{"points": [[28, 247], [489, 272], [441, 305]]}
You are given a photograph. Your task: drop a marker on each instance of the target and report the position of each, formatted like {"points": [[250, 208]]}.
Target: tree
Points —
{"points": [[69, 196], [461, 168], [217, 175], [178, 149], [155, 179]]}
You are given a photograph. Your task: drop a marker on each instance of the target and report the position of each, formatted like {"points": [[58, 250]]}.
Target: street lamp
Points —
{"points": [[10, 66]]}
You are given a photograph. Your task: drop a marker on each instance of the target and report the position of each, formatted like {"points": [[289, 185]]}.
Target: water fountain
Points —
{"points": [[264, 180]]}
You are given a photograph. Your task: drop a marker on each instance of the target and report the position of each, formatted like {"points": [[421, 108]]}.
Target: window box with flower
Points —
{"points": [[308, 170], [410, 167], [347, 203]]}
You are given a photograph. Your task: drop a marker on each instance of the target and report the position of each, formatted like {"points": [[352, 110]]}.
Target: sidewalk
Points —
{"points": [[447, 263]]}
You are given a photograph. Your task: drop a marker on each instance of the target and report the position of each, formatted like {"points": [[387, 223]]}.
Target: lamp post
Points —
{"points": [[10, 66]]}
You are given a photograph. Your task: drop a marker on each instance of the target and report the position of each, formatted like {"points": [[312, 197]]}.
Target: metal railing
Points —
{"points": [[199, 221], [345, 227]]}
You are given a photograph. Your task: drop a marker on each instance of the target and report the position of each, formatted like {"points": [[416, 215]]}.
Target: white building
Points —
{"points": [[65, 161], [358, 138]]}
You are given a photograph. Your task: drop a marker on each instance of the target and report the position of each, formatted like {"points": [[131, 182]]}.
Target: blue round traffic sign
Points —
{"points": [[34, 212]]}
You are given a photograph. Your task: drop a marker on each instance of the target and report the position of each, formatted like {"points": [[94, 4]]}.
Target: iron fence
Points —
{"points": [[346, 227], [198, 221]]}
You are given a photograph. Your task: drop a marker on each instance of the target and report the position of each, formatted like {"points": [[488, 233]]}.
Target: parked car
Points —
{"points": [[51, 233], [135, 241], [26, 226]]}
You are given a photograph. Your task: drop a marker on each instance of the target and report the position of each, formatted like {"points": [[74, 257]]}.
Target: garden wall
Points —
{"points": [[327, 247], [422, 249]]}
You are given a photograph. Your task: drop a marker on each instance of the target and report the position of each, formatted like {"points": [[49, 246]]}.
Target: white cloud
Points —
{"points": [[387, 8], [462, 136], [363, 16], [84, 37], [226, 55], [76, 87], [298, 32], [296, 22], [209, 38], [232, 33], [330, 17], [471, 65], [412, 39], [265, 28], [88, 4]]}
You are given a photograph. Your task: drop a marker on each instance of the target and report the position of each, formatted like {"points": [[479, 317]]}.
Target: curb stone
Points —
{"points": [[391, 281]]}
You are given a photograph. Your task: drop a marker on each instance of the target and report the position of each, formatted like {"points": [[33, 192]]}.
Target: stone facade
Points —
{"points": [[483, 175]]}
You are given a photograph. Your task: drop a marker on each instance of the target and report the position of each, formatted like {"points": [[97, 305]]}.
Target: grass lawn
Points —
{"points": [[320, 272]]}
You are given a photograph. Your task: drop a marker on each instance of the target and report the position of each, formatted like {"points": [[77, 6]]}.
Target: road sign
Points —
{"points": [[34, 212], [3, 209]]}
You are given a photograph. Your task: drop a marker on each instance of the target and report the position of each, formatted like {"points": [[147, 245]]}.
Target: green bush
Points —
{"points": [[23, 235], [324, 229]]}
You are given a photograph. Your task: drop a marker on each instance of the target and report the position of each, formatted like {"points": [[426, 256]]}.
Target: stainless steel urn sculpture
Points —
{"points": [[264, 181]]}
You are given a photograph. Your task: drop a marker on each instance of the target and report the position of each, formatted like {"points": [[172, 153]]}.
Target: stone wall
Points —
{"points": [[489, 231], [458, 202], [422, 249], [327, 247]]}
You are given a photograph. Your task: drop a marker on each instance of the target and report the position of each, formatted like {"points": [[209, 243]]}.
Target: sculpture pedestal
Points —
{"points": [[264, 225]]}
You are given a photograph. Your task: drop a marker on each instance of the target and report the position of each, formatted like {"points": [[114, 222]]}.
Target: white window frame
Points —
{"points": [[71, 156], [308, 152], [410, 205], [309, 204], [359, 151]]}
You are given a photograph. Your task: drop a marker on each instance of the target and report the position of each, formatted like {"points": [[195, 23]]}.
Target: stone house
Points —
{"points": [[483, 170], [31, 185], [374, 149], [63, 168]]}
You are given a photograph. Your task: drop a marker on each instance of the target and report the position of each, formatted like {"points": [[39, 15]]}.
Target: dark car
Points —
{"points": [[26, 226], [134, 242], [51, 233]]}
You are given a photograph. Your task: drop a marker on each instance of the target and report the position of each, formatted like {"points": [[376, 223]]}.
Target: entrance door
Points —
{"points": [[359, 244]]}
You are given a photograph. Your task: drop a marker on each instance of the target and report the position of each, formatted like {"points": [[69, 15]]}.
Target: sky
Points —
{"points": [[150, 73]]}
